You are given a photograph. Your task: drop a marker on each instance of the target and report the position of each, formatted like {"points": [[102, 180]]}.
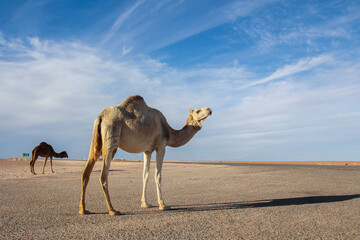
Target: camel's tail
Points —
{"points": [[96, 142]]}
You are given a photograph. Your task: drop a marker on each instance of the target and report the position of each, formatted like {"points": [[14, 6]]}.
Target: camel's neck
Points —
{"points": [[58, 155], [180, 137]]}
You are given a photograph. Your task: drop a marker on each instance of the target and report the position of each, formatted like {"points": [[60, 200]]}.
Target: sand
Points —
{"points": [[207, 201]]}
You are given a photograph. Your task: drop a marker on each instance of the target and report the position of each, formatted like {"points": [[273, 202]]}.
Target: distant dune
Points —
{"points": [[336, 163], [295, 162]]}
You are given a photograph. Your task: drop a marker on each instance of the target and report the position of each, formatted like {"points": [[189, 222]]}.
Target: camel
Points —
{"points": [[45, 150], [134, 127]]}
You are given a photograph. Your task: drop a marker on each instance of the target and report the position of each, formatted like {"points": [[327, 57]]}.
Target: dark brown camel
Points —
{"points": [[45, 150]]}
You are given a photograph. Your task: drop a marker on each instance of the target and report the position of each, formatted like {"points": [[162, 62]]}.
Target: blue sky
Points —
{"points": [[282, 77]]}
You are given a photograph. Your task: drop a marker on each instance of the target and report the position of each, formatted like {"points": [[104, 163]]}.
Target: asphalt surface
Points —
{"points": [[239, 201]]}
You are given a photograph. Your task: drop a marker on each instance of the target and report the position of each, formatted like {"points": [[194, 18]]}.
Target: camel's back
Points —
{"points": [[134, 113]]}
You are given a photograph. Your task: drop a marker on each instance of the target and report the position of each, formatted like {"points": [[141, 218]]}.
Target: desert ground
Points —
{"points": [[220, 200]]}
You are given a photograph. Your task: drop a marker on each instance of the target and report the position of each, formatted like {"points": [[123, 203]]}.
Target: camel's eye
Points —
{"points": [[198, 111]]}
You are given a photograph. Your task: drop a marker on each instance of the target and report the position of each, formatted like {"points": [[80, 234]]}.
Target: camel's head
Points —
{"points": [[64, 154], [200, 114]]}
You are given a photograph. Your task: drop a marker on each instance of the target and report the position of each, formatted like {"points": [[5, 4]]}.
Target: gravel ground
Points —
{"points": [[207, 201]]}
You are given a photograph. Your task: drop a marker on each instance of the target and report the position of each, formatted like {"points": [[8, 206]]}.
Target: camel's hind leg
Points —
{"points": [[32, 166], [147, 159], [108, 155], [44, 165], [85, 177], [32, 163]]}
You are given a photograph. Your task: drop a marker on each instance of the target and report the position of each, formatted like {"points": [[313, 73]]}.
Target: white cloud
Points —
{"points": [[57, 89], [295, 112], [47, 78]]}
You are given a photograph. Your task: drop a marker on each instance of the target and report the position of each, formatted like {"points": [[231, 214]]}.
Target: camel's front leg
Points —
{"points": [[51, 164], [107, 157], [147, 159], [44, 164], [159, 161]]}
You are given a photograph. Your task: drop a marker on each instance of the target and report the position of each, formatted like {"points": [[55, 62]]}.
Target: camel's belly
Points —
{"points": [[136, 144], [131, 150]]}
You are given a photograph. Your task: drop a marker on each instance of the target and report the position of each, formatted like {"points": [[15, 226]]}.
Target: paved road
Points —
{"points": [[207, 202]]}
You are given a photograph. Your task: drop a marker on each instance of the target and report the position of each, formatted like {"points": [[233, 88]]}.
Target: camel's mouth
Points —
{"points": [[203, 118]]}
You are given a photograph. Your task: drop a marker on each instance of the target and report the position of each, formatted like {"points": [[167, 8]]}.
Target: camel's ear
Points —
{"points": [[191, 110]]}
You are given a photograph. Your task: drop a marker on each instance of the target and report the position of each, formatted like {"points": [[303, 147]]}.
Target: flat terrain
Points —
{"points": [[208, 201]]}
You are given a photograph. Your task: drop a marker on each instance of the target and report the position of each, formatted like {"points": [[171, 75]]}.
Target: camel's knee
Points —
{"points": [[103, 181], [158, 178]]}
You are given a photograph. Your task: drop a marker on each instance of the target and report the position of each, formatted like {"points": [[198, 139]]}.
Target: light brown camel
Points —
{"points": [[134, 127], [45, 150]]}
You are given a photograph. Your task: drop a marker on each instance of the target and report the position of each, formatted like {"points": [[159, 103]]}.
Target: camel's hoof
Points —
{"points": [[113, 213], [53, 172], [145, 205], [84, 212], [163, 208]]}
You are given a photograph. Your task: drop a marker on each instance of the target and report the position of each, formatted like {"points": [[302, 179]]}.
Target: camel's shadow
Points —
{"points": [[264, 203], [242, 205], [111, 170]]}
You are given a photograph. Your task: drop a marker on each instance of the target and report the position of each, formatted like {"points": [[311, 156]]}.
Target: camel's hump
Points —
{"points": [[136, 99]]}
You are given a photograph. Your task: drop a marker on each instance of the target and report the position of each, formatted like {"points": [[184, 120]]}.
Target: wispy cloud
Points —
{"points": [[288, 70], [157, 23], [302, 25], [120, 20]]}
